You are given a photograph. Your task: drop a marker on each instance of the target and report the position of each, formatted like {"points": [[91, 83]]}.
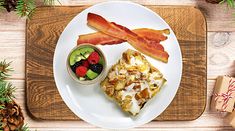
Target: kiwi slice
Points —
{"points": [[74, 57], [91, 74], [86, 50], [86, 55], [80, 54]]}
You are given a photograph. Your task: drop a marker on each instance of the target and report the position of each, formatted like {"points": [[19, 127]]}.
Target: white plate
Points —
{"points": [[89, 102]]}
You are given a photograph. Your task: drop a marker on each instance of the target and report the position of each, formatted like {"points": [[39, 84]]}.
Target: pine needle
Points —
{"points": [[5, 69], [49, 2], [230, 3], [1, 5], [23, 128], [25, 8], [221, 2], [6, 92], [2, 107]]}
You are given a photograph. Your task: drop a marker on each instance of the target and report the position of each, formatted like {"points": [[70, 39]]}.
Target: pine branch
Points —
{"points": [[1, 107], [1, 5], [4, 69], [6, 92], [230, 3], [49, 2], [7, 103], [0, 125], [223, 1], [25, 8], [23, 128]]}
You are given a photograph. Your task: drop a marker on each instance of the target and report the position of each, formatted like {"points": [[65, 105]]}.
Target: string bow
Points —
{"points": [[226, 96]]}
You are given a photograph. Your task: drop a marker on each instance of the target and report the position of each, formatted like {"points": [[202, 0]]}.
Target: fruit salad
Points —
{"points": [[86, 63]]}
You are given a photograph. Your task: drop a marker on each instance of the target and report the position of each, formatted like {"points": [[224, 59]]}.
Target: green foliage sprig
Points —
{"points": [[25, 7], [230, 3], [6, 92], [23, 128], [7, 89], [49, 2], [1, 4], [5, 69]]}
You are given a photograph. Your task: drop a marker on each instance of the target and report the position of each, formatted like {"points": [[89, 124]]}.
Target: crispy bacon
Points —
{"points": [[152, 44], [121, 32], [149, 34], [152, 35], [100, 38]]}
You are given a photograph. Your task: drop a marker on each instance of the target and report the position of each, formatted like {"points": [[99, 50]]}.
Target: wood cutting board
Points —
{"points": [[45, 27]]}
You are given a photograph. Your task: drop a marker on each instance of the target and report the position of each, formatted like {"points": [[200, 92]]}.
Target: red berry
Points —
{"points": [[81, 71], [93, 58], [85, 63]]}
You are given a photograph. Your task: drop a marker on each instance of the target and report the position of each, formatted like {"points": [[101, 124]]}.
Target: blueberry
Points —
{"points": [[96, 68], [74, 67]]}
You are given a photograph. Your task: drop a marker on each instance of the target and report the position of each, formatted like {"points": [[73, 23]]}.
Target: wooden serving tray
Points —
{"points": [[45, 27]]}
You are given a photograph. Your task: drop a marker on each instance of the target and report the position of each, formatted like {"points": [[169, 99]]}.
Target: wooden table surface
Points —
{"points": [[221, 61]]}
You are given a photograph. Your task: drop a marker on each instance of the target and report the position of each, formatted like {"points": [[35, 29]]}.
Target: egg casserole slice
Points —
{"points": [[132, 82]]}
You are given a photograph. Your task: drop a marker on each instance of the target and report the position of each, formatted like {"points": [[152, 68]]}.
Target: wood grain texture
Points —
{"points": [[44, 28], [208, 121]]}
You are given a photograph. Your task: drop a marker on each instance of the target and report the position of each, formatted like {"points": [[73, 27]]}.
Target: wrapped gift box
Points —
{"points": [[224, 94]]}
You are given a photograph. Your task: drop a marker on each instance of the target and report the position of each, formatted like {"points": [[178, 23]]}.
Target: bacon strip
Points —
{"points": [[99, 38], [152, 44], [121, 32], [149, 34], [152, 35]]}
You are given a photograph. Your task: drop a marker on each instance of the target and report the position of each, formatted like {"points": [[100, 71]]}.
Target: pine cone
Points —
{"points": [[10, 5], [11, 117], [214, 1]]}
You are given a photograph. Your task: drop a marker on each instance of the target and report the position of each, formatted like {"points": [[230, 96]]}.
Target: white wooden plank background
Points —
{"points": [[221, 61]]}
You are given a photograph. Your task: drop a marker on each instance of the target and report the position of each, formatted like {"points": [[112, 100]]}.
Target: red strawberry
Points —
{"points": [[93, 58], [81, 71], [85, 63]]}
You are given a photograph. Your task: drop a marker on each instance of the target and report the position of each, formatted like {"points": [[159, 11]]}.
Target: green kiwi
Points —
{"points": [[91, 74], [86, 50], [74, 57], [86, 55], [80, 54]]}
